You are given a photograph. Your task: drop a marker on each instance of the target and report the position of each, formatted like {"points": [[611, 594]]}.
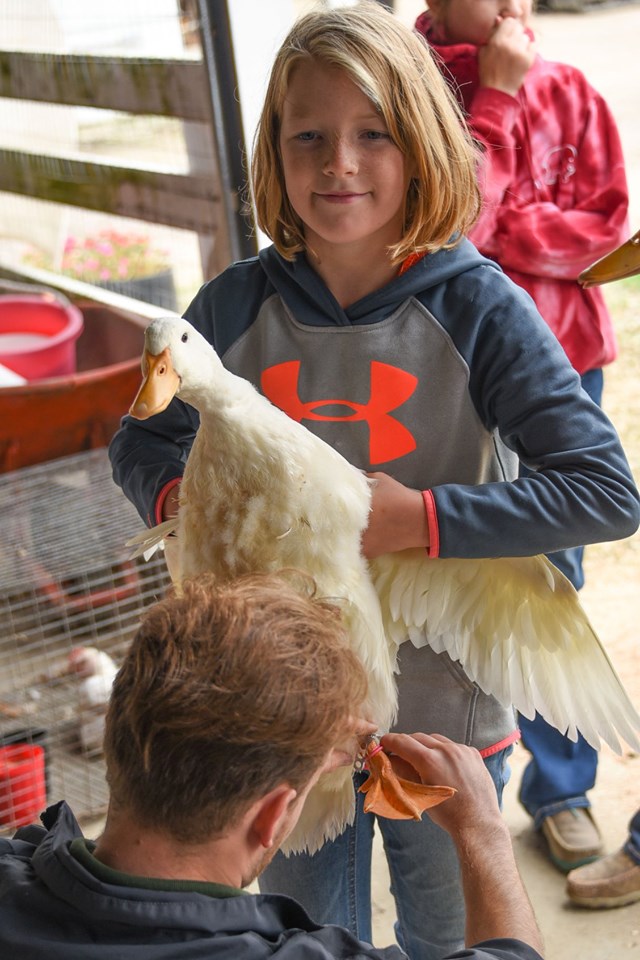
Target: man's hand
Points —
{"points": [[506, 58], [495, 899], [398, 519], [434, 759]]}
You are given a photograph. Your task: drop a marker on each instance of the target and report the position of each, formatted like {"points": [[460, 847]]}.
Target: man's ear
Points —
{"points": [[270, 812]]}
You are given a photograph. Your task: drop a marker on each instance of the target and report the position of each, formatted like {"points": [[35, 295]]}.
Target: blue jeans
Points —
{"points": [[632, 846], [334, 885], [560, 772]]}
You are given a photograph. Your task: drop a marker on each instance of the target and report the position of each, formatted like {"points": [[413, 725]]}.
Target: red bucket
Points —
{"points": [[22, 784], [38, 335]]}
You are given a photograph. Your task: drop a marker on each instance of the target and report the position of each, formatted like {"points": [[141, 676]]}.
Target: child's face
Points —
{"points": [[344, 177], [472, 21]]}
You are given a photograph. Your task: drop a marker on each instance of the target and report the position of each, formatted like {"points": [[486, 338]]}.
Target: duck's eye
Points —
{"points": [[184, 337]]}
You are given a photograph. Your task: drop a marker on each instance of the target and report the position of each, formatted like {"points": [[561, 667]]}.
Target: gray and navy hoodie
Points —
{"points": [[445, 378]]}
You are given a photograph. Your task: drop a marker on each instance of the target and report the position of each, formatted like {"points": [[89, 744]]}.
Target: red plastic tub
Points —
{"points": [[38, 335], [22, 784]]}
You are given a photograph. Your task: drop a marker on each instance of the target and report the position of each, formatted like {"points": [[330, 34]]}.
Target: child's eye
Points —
{"points": [[306, 136], [376, 135]]}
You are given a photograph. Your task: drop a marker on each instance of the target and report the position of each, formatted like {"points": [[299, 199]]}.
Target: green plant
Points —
{"points": [[108, 255]]}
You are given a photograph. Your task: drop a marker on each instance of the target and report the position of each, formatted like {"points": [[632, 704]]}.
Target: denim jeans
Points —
{"points": [[560, 772], [334, 885], [632, 846]]}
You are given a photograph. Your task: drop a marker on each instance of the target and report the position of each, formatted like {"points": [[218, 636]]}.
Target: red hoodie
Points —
{"points": [[555, 190]]}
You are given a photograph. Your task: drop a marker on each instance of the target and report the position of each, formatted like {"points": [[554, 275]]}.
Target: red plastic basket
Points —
{"points": [[38, 335], [22, 784]]}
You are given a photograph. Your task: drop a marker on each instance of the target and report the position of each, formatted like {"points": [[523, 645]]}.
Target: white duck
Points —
{"points": [[261, 492]]}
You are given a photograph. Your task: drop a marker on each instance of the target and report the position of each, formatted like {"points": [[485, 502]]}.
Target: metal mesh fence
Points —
{"points": [[70, 601]]}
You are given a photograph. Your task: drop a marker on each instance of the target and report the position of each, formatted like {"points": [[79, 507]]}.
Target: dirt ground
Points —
{"points": [[611, 596]]}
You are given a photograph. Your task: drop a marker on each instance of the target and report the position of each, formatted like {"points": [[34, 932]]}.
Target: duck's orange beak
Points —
{"points": [[622, 262], [159, 386]]}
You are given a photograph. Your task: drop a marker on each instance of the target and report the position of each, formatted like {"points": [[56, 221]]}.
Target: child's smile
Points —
{"points": [[345, 177]]}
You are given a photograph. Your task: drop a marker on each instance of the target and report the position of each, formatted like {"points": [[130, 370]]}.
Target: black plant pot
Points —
{"points": [[158, 289]]}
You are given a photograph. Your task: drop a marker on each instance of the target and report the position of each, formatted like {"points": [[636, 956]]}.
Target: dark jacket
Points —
{"points": [[53, 907]]}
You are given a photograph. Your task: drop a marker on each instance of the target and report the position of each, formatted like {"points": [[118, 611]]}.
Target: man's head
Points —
{"points": [[228, 691]]}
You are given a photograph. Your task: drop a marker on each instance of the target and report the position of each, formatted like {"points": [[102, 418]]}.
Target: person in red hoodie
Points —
{"points": [[555, 198]]}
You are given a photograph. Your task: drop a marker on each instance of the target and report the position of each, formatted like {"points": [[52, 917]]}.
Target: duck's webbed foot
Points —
{"points": [[389, 795]]}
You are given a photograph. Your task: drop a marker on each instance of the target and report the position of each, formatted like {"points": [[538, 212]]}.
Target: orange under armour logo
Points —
{"points": [[390, 388]]}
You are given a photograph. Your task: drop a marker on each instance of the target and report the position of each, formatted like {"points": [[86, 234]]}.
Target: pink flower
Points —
{"points": [[108, 255]]}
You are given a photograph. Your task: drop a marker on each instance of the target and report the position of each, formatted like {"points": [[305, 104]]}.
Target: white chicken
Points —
{"points": [[261, 492], [95, 671]]}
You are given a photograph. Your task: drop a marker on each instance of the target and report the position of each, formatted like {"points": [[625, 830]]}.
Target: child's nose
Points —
{"points": [[340, 159]]}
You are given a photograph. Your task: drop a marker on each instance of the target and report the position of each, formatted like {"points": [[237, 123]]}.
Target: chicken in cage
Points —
{"points": [[70, 601]]}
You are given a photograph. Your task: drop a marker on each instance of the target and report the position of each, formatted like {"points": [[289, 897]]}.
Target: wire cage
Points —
{"points": [[70, 601]]}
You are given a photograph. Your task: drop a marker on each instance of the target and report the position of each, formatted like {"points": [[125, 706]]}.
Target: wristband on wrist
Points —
{"points": [[433, 550], [162, 496]]}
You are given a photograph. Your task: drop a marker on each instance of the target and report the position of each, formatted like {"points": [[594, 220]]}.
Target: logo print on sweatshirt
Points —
{"points": [[559, 164], [390, 388]]}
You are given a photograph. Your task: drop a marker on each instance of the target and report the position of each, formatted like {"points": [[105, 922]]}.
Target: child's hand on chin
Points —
{"points": [[507, 57]]}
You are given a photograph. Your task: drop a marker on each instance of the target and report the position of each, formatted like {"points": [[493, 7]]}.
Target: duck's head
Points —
{"points": [[622, 262], [176, 359]]}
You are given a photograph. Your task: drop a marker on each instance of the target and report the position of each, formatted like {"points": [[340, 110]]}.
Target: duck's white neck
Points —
{"points": [[222, 397]]}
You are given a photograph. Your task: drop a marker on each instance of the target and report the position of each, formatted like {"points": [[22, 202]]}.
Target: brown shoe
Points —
{"points": [[573, 838], [612, 881]]}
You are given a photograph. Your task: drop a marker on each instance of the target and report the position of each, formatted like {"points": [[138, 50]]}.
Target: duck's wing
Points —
{"points": [[519, 631]]}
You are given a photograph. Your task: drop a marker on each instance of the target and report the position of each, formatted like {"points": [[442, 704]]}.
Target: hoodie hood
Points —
{"points": [[464, 82], [306, 295]]}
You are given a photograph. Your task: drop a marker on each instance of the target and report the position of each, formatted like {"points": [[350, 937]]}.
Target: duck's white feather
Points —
{"points": [[517, 627], [261, 492]]}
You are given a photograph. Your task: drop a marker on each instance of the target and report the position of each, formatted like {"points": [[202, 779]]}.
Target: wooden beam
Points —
{"points": [[191, 202], [168, 88]]}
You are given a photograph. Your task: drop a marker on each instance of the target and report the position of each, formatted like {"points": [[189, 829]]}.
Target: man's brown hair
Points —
{"points": [[227, 691]]}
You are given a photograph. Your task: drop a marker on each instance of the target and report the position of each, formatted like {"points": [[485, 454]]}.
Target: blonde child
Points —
{"points": [[374, 321]]}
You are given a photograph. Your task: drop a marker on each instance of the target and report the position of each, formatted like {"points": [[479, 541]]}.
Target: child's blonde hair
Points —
{"points": [[394, 69]]}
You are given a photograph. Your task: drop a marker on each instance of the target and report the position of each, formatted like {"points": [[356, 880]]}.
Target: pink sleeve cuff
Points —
{"points": [[501, 745], [162, 496], [433, 550]]}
